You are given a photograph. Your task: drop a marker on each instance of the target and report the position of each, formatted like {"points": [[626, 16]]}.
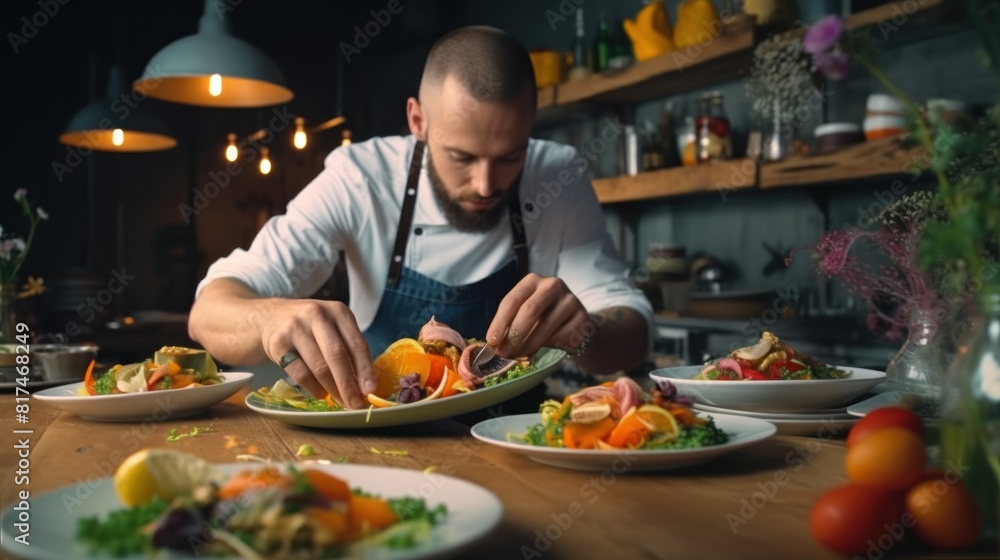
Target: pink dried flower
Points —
{"points": [[19, 194], [833, 64], [890, 290], [823, 34]]}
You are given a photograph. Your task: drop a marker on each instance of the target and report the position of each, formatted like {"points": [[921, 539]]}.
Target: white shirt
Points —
{"points": [[354, 205]]}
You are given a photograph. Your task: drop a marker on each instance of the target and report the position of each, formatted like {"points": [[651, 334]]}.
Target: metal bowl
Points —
{"points": [[62, 362]]}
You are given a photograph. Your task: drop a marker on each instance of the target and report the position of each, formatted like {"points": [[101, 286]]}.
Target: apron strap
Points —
{"points": [[406, 217], [517, 229]]}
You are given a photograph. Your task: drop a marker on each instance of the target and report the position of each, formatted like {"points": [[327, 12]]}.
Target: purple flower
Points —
{"points": [[832, 64], [823, 35], [19, 194]]}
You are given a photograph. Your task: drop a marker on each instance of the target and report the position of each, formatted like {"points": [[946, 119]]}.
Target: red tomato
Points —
{"points": [[945, 514], [886, 417], [850, 519], [776, 367], [750, 373], [891, 458]]}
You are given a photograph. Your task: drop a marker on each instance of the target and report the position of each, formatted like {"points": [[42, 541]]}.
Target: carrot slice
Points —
{"points": [[585, 436], [328, 486], [246, 480], [88, 379], [436, 372], [368, 515], [335, 521], [629, 433]]}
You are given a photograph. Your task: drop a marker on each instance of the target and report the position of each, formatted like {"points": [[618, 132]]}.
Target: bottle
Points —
{"points": [[668, 137], [713, 130], [970, 413], [580, 68], [620, 55], [602, 46]]}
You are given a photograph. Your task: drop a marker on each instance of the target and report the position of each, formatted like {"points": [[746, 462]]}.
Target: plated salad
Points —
{"points": [[438, 364], [768, 359], [619, 415], [171, 367], [267, 512]]}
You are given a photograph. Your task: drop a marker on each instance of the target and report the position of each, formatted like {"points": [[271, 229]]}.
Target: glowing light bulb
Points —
{"points": [[215, 85], [265, 163], [300, 140], [118, 137], [345, 137], [231, 151]]}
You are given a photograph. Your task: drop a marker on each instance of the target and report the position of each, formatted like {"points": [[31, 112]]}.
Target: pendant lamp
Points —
{"points": [[212, 68], [114, 125]]}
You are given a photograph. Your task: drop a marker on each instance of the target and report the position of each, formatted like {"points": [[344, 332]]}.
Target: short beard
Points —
{"points": [[460, 218]]}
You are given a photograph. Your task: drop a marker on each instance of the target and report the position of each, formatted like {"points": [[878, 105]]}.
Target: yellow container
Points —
{"points": [[550, 67]]}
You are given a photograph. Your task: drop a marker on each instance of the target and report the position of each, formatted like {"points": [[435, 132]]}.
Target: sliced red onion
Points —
{"points": [[627, 394], [732, 365], [434, 330]]}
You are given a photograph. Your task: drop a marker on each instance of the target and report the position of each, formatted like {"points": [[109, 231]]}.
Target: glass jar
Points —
{"points": [[712, 129], [970, 415]]}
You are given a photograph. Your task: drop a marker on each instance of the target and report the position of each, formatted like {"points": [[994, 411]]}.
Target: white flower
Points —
{"points": [[17, 244], [1, 231], [19, 194], [42, 214]]}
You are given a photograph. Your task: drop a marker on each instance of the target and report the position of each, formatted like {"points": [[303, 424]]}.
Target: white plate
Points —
{"points": [[472, 512], [824, 425], [136, 407], [546, 361], [911, 401], [772, 396], [840, 413], [742, 432]]}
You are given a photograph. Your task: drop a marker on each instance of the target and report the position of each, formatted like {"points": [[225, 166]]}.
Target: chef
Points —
{"points": [[468, 219]]}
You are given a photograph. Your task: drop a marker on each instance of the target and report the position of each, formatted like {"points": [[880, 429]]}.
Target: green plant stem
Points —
{"points": [[24, 254], [924, 133]]}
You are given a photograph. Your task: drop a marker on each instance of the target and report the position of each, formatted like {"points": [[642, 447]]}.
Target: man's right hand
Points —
{"points": [[238, 326]]}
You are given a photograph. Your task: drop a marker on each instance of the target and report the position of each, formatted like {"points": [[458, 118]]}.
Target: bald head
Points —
{"points": [[486, 62]]}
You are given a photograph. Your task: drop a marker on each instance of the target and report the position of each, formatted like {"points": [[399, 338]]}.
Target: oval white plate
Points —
{"points": [[136, 407], [820, 424], [911, 401], [772, 396], [742, 432], [472, 512], [546, 361]]}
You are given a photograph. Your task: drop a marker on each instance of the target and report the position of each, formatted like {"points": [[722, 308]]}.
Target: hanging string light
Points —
{"points": [[265, 161], [300, 140]]}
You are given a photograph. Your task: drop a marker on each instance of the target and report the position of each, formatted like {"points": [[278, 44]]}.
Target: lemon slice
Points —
{"points": [[160, 472], [658, 420]]}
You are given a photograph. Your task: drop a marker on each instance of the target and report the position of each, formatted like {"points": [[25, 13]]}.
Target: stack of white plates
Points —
{"points": [[815, 407]]}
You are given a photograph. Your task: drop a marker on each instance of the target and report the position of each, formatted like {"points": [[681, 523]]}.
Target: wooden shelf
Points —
{"points": [[886, 157], [721, 177]]}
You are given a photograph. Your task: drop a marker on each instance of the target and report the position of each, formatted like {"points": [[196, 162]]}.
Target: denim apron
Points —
{"points": [[410, 298]]}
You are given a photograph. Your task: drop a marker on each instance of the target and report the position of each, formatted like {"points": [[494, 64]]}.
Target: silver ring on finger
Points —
{"points": [[287, 358], [581, 349]]}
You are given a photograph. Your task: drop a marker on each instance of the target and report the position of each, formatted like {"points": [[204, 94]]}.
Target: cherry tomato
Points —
{"points": [[891, 458], [945, 514], [886, 417], [850, 519], [777, 367], [750, 373]]}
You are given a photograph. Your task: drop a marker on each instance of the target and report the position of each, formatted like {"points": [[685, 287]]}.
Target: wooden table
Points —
{"points": [[752, 503]]}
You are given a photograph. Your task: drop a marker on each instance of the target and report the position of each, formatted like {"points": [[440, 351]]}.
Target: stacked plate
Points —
{"points": [[816, 407]]}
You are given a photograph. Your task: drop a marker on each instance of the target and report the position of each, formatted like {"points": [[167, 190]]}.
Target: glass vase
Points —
{"points": [[970, 415], [8, 313], [918, 370]]}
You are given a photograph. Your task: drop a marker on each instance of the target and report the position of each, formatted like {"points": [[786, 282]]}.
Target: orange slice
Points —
{"points": [[658, 420], [402, 357]]}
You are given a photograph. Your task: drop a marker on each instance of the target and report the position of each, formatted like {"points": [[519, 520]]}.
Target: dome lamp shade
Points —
{"points": [[110, 125], [212, 68]]}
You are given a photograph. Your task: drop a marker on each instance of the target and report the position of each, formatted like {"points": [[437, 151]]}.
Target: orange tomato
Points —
{"points": [[885, 417], [585, 436], [945, 514], [850, 519], [244, 481], [891, 458]]}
